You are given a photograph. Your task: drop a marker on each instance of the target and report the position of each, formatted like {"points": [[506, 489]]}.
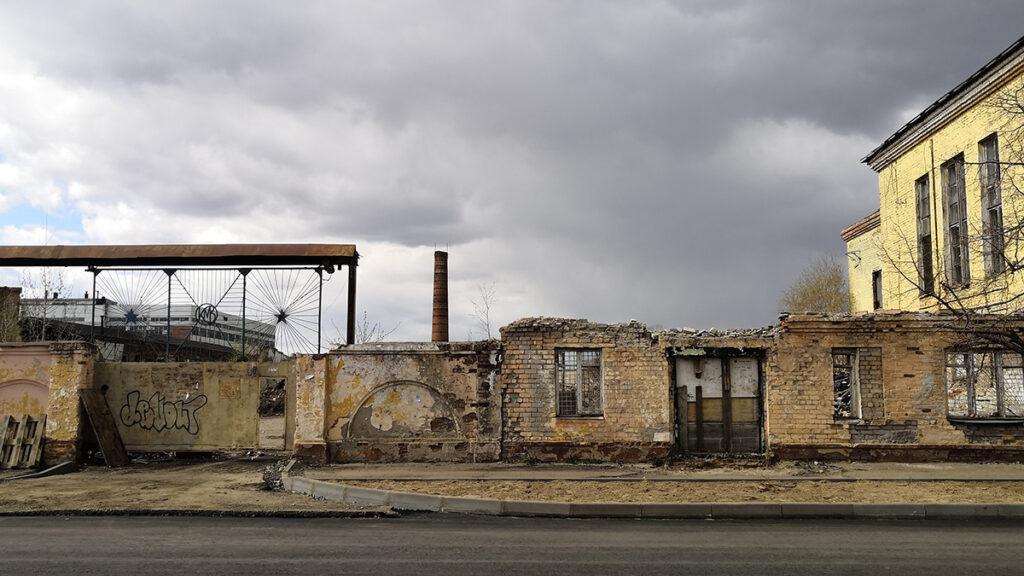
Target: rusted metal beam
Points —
{"points": [[159, 255]]}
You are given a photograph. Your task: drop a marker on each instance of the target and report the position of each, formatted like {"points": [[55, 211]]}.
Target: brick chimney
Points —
{"points": [[439, 325]]}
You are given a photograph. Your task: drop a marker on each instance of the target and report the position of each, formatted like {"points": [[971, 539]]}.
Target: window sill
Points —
{"points": [[601, 417], [993, 421], [847, 421]]}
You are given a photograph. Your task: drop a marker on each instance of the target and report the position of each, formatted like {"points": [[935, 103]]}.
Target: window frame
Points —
{"points": [[925, 240], [991, 199], [998, 367], [958, 270], [856, 414], [559, 370], [876, 289]]}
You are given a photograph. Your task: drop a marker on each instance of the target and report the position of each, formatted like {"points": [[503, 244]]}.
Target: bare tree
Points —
{"points": [[367, 332], [46, 318], [821, 287], [10, 327], [483, 305]]}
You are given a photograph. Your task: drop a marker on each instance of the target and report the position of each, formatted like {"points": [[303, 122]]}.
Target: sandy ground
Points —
{"points": [[749, 491], [219, 486], [272, 433]]}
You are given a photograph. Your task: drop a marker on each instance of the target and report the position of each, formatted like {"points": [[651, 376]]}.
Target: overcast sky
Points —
{"points": [[677, 163]]}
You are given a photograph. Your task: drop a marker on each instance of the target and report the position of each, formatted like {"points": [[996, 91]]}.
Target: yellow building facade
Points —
{"points": [[864, 264], [950, 199]]}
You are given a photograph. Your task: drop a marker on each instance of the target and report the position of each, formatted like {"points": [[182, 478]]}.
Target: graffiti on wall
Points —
{"points": [[158, 413]]}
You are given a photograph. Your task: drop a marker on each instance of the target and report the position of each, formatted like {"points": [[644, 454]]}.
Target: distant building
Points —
{"points": [[197, 332]]}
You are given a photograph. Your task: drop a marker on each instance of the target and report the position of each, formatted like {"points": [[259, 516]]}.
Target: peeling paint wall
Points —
{"points": [[199, 406], [24, 378], [400, 402], [44, 378]]}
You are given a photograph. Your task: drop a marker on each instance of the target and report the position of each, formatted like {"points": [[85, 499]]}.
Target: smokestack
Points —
{"points": [[439, 326]]}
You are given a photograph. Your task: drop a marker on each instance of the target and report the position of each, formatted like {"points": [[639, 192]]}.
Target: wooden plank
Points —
{"points": [[700, 418], [727, 402], [7, 440], [103, 424], [683, 417], [19, 438], [32, 449]]}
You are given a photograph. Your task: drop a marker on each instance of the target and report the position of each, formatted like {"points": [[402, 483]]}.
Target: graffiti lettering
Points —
{"points": [[158, 414]]}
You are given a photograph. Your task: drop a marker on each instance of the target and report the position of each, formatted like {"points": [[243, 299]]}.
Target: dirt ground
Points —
{"points": [[751, 491], [205, 486], [272, 433]]}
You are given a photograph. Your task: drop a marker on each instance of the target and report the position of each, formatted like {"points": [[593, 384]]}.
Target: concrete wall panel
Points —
{"points": [[183, 406]]}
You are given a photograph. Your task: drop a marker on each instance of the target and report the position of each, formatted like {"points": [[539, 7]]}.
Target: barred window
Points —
{"points": [[845, 393], [985, 384], [580, 391]]}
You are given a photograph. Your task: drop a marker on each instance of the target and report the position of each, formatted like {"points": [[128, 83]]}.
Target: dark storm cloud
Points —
{"points": [[675, 162]]}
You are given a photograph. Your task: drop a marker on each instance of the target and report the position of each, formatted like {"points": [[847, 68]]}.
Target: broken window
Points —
{"points": [[579, 383], [985, 384], [991, 204], [955, 201], [876, 289], [845, 396], [925, 274]]}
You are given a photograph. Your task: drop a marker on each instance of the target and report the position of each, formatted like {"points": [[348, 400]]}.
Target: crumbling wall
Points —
{"points": [[901, 367], [635, 423], [71, 370], [391, 402]]}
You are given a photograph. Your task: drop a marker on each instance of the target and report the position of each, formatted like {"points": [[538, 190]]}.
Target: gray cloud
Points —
{"points": [[674, 162]]}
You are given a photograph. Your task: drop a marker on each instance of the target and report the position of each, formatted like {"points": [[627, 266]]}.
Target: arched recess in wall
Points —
{"points": [[403, 409], [18, 397]]}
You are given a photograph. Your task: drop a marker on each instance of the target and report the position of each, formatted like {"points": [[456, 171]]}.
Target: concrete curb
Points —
{"points": [[662, 479], [414, 502], [170, 512]]}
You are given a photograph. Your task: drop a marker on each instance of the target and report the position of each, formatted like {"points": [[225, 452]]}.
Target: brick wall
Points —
{"points": [[636, 422], [901, 368]]}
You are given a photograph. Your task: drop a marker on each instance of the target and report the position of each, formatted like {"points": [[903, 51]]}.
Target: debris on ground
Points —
{"points": [[272, 397], [272, 476], [814, 468]]}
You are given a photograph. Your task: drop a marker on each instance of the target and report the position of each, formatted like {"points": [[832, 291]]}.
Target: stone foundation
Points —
{"points": [[618, 452]]}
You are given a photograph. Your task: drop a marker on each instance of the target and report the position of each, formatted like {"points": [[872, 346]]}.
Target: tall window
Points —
{"points": [[926, 276], [845, 389], [876, 289], [955, 200], [579, 383], [991, 204], [985, 384]]}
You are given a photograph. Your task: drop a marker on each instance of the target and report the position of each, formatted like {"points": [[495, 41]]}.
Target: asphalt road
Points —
{"points": [[437, 545]]}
